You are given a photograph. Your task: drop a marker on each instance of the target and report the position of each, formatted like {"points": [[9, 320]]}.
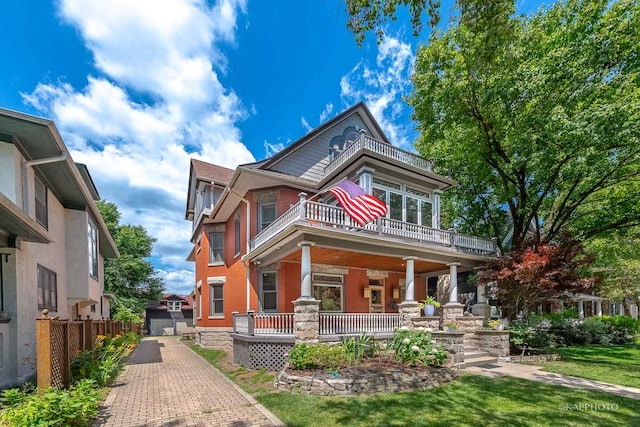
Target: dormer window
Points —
{"points": [[173, 305]]}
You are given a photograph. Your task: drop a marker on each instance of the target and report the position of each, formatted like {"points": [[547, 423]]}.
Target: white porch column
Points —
{"points": [[453, 282], [599, 308], [410, 279], [305, 270], [581, 309]]}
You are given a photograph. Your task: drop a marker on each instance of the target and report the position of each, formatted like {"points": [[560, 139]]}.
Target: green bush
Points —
{"points": [[103, 363], [551, 330], [317, 356], [73, 407], [356, 348], [416, 347]]}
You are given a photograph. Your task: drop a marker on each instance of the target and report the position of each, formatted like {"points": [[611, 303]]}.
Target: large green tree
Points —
{"points": [[132, 277], [617, 264], [536, 117]]}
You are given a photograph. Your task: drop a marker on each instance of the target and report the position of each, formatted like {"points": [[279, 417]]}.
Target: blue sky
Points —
{"points": [[137, 87]]}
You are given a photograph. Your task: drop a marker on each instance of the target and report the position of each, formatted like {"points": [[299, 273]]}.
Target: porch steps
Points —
{"points": [[473, 356]]}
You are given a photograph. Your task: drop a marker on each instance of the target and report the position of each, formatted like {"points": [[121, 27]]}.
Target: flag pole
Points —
{"points": [[324, 191]]}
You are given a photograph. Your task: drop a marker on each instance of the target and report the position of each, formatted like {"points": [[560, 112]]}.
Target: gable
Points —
{"points": [[310, 159]]}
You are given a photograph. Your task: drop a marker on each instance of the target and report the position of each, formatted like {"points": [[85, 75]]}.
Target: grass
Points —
{"points": [[469, 401], [618, 364]]}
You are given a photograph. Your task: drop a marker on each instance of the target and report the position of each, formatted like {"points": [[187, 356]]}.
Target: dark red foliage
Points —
{"points": [[533, 274]]}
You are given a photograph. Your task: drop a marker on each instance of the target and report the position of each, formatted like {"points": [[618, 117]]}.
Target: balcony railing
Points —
{"points": [[323, 215], [365, 142], [263, 323]]}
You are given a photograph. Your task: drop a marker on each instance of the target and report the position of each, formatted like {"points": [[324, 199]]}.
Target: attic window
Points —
{"points": [[339, 143], [173, 305]]}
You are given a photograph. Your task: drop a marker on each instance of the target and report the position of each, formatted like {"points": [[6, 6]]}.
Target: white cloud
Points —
{"points": [[383, 86], [271, 149], [154, 101], [305, 124], [328, 109]]}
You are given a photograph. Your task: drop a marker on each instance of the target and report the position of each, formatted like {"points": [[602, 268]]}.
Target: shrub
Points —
{"points": [[416, 347], [103, 363], [73, 407], [317, 356], [355, 349]]}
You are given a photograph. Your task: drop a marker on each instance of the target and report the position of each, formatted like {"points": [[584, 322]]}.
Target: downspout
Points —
{"points": [[229, 190], [25, 175]]}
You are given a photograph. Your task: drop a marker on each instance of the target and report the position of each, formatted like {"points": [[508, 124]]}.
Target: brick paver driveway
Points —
{"points": [[166, 384]]}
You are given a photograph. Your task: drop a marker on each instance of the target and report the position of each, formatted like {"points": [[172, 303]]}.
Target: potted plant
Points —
{"points": [[496, 324], [430, 304], [450, 325]]}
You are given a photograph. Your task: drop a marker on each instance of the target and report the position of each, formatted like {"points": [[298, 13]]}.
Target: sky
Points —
{"points": [[138, 87]]}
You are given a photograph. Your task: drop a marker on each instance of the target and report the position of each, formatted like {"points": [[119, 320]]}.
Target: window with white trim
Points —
{"points": [[174, 305], [266, 215], [328, 289], [405, 203], [216, 299], [216, 247], [237, 234], [92, 231], [47, 289], [41, 203], [268, 291]]}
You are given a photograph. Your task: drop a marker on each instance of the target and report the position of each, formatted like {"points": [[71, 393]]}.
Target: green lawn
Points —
{"points": [[619, 364], [469, 401]]}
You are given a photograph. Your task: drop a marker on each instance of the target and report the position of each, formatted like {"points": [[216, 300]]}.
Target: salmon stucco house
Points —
{"points": [[278, 260], [52, 239]]}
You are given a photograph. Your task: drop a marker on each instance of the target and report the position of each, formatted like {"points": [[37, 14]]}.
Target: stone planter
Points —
{"points": [[429, 310]]}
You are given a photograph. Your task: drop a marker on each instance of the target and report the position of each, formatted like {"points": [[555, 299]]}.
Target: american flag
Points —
{"points": [[360, 206]]}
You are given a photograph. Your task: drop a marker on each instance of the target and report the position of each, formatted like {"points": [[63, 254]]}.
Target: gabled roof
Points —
{"points": [[39, 139], [210, 172], [368, 117]]}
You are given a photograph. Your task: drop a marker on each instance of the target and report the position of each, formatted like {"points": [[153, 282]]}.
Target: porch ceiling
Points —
{"points": [[343, 258]]}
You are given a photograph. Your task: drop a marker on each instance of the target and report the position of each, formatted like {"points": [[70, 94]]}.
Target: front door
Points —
{"points": [[376, 301]]}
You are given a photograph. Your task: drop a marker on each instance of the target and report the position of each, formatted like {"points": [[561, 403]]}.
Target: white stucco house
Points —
{"points": [[52, 239]]}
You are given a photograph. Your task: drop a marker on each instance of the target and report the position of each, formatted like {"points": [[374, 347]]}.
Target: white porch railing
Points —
{"points": [[378, 147], [241, 324], [365, 323], [320, 214], [273, 324]]}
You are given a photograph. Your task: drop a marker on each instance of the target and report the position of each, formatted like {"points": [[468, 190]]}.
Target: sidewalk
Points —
{"points": [[167, 384], [534, 373]]}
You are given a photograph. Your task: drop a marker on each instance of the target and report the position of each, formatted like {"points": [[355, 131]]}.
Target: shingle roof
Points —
{"points": [[219, 174]]}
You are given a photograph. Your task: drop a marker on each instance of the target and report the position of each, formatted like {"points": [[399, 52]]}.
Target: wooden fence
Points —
{"points": [[59, 342]]}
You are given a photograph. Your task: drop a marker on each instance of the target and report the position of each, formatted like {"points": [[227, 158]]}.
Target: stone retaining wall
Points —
{"points": [[536, 358], [496, 343], [213, 337], [431, 323], [369, 383], [453, 342]]}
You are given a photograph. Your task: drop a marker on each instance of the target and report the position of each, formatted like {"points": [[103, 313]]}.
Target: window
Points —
{"points": [[237, 234], [216, 299], [93, 249], [199, 303], [405, 204], [269, 291], [93, 308], [42, 214], [47, 289], [174, 306], [327, 288], [266, 215], [216, 247]]}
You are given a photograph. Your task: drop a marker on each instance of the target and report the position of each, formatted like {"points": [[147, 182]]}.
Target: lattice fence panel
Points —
{"points": [[75, 339], [260, 355], [59, 367], [94, 331]]}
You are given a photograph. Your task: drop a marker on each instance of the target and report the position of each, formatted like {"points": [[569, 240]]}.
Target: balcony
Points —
{"points": [[376, 147], [325, 216]]}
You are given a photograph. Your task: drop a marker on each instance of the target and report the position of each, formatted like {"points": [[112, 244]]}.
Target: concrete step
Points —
{"points": [[485, 360], [474, 354], [471, 348]]}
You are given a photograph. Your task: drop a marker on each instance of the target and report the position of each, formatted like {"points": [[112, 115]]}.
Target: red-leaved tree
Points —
{"points": [[534, 274]]}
